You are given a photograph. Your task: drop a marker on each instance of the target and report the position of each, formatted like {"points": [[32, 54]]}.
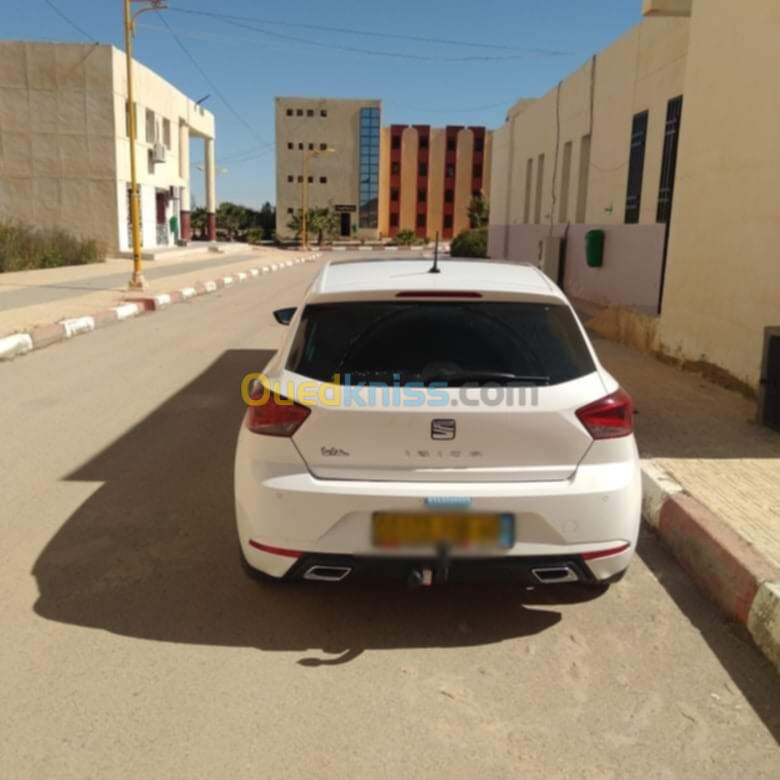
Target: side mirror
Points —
{"points": [[284, 316]]}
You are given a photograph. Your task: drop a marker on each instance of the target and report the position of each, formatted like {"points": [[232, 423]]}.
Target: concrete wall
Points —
{"points": [[57, 150], [340, 129], [641, 71], [723, 273], [630, 275]]}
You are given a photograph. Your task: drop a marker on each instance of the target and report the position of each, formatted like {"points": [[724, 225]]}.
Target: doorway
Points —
{"points": [[346, 224], [162, 218]]}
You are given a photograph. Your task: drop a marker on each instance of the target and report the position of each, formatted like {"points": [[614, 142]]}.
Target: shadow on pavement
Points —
{"points": [[153, 553]]}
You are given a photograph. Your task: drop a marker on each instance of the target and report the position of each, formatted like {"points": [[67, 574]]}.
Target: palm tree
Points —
{"points": [[322, 222]]}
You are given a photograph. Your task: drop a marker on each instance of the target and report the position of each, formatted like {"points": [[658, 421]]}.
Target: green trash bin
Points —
{"points": [[594, 248]]}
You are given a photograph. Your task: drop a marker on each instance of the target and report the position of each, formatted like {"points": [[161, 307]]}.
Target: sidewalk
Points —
{"points": [[712, 485], [30, 299]]}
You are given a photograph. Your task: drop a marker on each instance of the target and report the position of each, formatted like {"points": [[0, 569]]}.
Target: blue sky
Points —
{"points": [[547, 39]]}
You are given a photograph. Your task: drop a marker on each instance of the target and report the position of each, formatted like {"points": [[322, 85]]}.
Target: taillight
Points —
{"points": [[276, 419], [610, 417]]}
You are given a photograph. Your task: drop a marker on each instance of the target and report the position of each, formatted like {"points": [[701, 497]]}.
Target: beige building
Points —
{"points": [[668, 142], [429, 176], [331, 147], [64, 154]]}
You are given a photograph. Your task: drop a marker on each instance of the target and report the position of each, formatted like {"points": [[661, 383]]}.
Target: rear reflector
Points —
{"points": [[610, 417], [438, 294], [276, 417], [589, 556], [275, 550]]}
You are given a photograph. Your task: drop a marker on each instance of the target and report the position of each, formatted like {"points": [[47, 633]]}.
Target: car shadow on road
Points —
{"points": [[153, 554]]}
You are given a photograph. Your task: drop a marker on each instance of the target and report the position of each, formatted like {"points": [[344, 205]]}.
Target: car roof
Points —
{"points": [[353, 277]]}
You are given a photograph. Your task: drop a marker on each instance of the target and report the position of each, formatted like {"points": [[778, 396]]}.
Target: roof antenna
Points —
{"points": [[435, 267]]}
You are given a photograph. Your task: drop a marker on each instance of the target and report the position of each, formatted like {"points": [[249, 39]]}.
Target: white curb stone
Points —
{"points": [[210, 286], [265, 269], [18, 344], [188, 292], [227, 280], [254, 271], [162, 300], [78, 325], [764, 621], [242, 276], [127, 310], [657, 488]]}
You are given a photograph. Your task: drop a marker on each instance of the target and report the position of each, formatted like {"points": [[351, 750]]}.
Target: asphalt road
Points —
{"points": [[132, 645]]}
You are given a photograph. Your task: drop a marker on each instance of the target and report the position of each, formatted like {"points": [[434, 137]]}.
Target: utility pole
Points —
{"points": [[137, 281], [305, 192]]}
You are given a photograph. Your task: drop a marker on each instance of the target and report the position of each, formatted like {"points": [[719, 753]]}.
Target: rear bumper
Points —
{"points": [[515, 569]]}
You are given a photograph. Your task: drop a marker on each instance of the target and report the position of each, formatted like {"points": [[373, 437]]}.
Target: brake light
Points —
{"points": [[438, 294], [276, 419], [610, 417]]}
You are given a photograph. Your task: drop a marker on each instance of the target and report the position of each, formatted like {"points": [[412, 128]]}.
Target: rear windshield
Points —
{"points": [[440, 342]]}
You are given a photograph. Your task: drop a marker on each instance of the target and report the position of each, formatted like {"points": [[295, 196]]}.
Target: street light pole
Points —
{"points": [[305, 192], [137, 281]]}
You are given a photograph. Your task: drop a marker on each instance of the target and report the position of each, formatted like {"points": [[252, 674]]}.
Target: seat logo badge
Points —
{"points": [[443, 430]]}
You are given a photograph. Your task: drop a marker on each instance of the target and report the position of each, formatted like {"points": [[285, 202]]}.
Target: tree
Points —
{"points": [[479, 212], [324, 223], [199, 222], [266, 220], [233, 218]]}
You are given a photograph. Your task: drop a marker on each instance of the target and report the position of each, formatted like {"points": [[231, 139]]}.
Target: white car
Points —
{"points": [[434, 425]]}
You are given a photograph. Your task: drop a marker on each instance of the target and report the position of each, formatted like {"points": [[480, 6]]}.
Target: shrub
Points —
{"points": [[470, 243], [406, 238], [23, 247]]}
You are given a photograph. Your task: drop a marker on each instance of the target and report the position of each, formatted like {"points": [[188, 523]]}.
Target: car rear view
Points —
{"points": [[438, 429]]}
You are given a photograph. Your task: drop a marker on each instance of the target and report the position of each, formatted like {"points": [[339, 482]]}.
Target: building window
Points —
{"points": [[422, 170], [582, 186], [479, 144], [289, 112], [150, 128], [300, 180], [311, 179], [167, 133], [396, 142], [669, 161], [299, 112], [311, 147], [291, 179], [424, 142], [323, 179], [394, 194], [290, 210], [368, 200], [563, 213], [529, 175], [323, 112], [395, 168], [539, 189], [309, 112], [394, 220], [300, 146], [290, 145], [452, 144], [323, 147], [450, 172], [636, 167], [449, 196], [422, 196], [448, 221], [421, 220], [476, 173]]}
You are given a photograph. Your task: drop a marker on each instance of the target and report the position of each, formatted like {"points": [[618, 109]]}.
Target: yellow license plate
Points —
{"points": [[455, 529]]}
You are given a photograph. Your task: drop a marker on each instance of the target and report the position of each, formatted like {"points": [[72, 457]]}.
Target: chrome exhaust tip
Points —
{"points": [[327, 573], [549, 575]]}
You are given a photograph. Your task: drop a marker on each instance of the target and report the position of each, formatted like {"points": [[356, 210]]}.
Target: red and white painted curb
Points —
{"points": [[44, 335], [744, 583]]}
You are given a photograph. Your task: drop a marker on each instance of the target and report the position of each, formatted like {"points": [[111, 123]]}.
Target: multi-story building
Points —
{"points": [[334, 144], [666, 141], [429, 176], [64, 144]]}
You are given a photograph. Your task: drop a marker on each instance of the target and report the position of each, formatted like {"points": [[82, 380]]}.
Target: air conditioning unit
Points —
{"points": [[158, 154]]}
